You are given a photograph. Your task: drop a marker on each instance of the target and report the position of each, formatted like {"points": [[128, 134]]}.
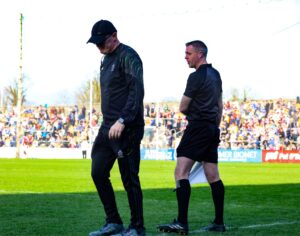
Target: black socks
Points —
{"points": [[183, 192], [218, 192]]}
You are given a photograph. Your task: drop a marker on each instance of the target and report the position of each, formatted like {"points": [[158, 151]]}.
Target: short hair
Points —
{"points": [[198, 45]]}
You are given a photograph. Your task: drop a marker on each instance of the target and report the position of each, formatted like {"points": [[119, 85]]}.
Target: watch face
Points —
{"points": [[121, 120]]}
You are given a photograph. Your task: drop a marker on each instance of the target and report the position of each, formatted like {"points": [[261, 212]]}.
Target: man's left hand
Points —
{"points": [[116, 130]]}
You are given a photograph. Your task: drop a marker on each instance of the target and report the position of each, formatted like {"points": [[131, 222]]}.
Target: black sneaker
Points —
{"points": [[175, 227], [108, 229], [215, 227]]}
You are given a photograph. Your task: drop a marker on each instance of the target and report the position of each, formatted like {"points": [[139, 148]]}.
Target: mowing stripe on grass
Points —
{"points": [[18, 192]]}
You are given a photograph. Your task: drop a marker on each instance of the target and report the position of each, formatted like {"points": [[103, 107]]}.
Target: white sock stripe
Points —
{"points": [[176, 226]]}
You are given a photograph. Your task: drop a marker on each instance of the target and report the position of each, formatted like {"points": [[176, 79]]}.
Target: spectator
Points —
{"points": [[244, 124]]}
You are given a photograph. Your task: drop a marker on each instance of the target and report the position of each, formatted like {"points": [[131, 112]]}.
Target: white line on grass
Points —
{"points": [[269, 225], [253, 226]]}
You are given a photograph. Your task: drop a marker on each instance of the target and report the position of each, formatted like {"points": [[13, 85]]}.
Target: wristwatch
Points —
{"points": [[121, 121]]}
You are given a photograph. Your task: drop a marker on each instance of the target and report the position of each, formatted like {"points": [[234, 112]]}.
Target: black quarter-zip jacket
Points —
{"points": [[122, 87]]}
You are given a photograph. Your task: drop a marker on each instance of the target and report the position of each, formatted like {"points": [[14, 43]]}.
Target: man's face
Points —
{"points": [[107, 45], [192, 56]]}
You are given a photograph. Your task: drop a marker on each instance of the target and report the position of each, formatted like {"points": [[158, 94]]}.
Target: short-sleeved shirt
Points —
{"points": [[204, 87], [122, 87]]}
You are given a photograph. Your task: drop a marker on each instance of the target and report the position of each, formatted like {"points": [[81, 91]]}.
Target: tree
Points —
{"points": [[234, 94], [11, 92], [83, 95], [246, 93]]}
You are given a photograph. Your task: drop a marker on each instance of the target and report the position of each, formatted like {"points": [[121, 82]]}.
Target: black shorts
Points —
{"points": [[200, 142]]}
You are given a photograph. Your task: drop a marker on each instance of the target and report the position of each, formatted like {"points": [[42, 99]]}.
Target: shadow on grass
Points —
{"points": [[250, 210]]}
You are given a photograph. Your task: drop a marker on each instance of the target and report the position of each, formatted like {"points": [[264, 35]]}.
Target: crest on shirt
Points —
{"points": [[113, 66]]}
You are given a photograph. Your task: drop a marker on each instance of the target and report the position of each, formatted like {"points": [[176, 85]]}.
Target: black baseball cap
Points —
{"points": [[100, 30]]}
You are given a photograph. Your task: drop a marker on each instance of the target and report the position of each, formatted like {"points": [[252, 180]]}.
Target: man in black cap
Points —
{"points": [[122, 129]]}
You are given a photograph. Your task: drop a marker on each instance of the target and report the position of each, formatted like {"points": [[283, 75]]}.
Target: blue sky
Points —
{"points": [[254, 44]]}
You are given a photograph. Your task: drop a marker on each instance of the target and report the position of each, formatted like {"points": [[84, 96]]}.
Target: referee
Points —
{"points": [[202, 104], [120, 134]]}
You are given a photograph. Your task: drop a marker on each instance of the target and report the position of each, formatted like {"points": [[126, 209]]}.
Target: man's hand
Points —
{"points": [[116, 130]]}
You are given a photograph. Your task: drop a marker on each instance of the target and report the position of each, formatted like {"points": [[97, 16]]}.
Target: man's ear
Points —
{"points": [[114, 34], [200, 54]]}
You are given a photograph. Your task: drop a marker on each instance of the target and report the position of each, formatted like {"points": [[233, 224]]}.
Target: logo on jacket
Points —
{"points": [[113, 66]]}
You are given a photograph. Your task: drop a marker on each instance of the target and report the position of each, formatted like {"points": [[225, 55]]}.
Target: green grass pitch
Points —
{"points": [[57, 197]]}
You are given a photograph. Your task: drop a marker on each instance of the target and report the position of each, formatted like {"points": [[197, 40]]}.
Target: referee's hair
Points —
{"points": [[198, 45]]}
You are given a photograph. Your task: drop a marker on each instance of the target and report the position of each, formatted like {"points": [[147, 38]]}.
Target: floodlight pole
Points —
{"points": [[157, 125], [20, 89], [1, 101], [91, 113]]}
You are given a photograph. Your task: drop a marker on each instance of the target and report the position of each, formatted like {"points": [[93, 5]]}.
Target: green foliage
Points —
{"points": [[57, 197], [82, 96], [11, 93], [235, 94]]}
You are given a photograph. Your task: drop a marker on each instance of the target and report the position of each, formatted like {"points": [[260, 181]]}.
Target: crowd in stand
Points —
{"points": [[53, 127], [269, 125], [264, 124]]}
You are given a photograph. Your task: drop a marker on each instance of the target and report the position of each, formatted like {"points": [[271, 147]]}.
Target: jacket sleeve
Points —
{"points": [[133, 73]]}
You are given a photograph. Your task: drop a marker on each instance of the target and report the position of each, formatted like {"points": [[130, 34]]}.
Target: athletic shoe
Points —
{"points": [[175, 227], [108, 229], [215, 227]]}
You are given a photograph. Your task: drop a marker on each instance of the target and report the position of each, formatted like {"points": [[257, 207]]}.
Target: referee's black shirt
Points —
{"points": [[122, 87], [204, 86]]}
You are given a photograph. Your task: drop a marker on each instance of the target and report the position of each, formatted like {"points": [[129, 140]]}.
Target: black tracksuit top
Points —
{"points": [[122, 87]]}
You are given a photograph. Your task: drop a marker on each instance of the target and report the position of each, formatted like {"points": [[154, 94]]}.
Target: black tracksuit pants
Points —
{"points": [[104, 154]]}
